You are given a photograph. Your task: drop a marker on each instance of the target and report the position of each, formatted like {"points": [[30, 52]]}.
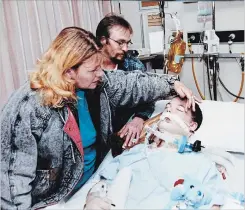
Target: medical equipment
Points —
{"points": [[230, 42], [176, 53], [237, 96], [211, 42], [175, 57], [162, 15], [211, 54], [164, 130], [211, 50], [204, 11], [193, 72]]}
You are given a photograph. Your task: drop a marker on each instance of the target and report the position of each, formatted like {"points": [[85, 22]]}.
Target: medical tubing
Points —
{"points": [[198, 87], [238, 97], [242, 81], [209, 85], [167, 138], [162, 15], [194, 73], [241, 87], [215, 79]]}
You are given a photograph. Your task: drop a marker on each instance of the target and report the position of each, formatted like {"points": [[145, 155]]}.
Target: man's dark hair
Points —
{"points": [[197, 116], [104, 26]]}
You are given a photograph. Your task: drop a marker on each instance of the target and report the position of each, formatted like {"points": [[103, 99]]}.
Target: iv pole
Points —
{"points": [[212, 65], [162, 15], [215, 58]]}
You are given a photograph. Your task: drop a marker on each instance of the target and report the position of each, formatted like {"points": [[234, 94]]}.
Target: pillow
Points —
{"points": [[222, 126]]}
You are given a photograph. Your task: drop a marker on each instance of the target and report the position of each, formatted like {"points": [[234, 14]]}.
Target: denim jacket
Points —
{"points": [[41, 149], [143, 111]]}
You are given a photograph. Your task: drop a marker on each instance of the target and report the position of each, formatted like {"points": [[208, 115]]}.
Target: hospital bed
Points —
{"points": [[223, 127]]}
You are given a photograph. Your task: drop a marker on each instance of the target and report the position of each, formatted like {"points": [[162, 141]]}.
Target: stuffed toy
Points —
{"points": [[189, 194]]}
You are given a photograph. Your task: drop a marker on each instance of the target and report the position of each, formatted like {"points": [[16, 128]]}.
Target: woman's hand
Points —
{"points": [[183, 91]]}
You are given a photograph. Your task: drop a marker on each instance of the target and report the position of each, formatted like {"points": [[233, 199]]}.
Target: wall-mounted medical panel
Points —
{"points": [[236, 36]]}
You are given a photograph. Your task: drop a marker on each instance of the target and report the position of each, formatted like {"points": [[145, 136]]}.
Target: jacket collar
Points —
{"points": [[72, 130]]}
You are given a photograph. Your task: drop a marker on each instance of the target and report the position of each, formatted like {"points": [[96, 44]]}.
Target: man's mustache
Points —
{"points": [[121, 54]]}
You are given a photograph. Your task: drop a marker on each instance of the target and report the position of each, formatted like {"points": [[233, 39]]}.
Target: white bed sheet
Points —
{"points": [[77, 201]]}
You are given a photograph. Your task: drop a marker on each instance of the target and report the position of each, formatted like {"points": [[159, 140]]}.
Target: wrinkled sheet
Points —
{"points": [[235, 183], [155, 173]]}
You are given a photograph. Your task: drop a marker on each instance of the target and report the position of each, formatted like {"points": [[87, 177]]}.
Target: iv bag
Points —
{"points": [[176, 54], [204, 13]]}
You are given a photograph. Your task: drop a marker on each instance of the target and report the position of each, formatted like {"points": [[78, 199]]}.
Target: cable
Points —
{"points": [[162, 15], [204, 79], [209, 85], [214, 78], [218, 86], [194, 74], [220, 95], [237, 96], [241, 65]]}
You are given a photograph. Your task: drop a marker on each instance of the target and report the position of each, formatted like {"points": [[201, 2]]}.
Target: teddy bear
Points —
{"points": [[189, 193]]}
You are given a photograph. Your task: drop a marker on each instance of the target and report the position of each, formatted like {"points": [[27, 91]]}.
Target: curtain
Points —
{"points": [[30, 26]]}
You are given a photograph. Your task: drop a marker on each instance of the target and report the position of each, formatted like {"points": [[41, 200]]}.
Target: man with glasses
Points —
{"points": [[115, 33]]}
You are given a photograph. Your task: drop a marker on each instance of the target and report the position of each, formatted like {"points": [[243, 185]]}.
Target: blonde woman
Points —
{"points": [[54, 129]]}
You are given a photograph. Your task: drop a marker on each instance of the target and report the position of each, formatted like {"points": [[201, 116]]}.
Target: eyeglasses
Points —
{"points": [[122, 43]]}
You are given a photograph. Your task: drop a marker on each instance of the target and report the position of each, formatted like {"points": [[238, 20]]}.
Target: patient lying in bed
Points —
{"points": [[160, 175]]}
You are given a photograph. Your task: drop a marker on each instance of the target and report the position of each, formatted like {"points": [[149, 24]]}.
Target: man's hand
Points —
{"points": [[183, 91], [131, 131]]}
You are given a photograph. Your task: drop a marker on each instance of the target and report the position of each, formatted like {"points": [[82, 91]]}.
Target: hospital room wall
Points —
{"points": [[229, 16]]}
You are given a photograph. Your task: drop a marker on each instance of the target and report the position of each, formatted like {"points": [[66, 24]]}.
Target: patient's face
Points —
{"points": [[177, 106]]}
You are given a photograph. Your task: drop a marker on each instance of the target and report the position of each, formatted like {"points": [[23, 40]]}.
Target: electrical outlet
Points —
{"points": [[236, 36]]}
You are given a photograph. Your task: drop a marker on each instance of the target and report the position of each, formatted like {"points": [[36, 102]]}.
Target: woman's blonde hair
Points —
{"points": [[69, 50]]}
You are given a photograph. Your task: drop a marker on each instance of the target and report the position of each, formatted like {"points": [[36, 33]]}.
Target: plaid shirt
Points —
{"points": [[132, 63], [143, 111]]}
